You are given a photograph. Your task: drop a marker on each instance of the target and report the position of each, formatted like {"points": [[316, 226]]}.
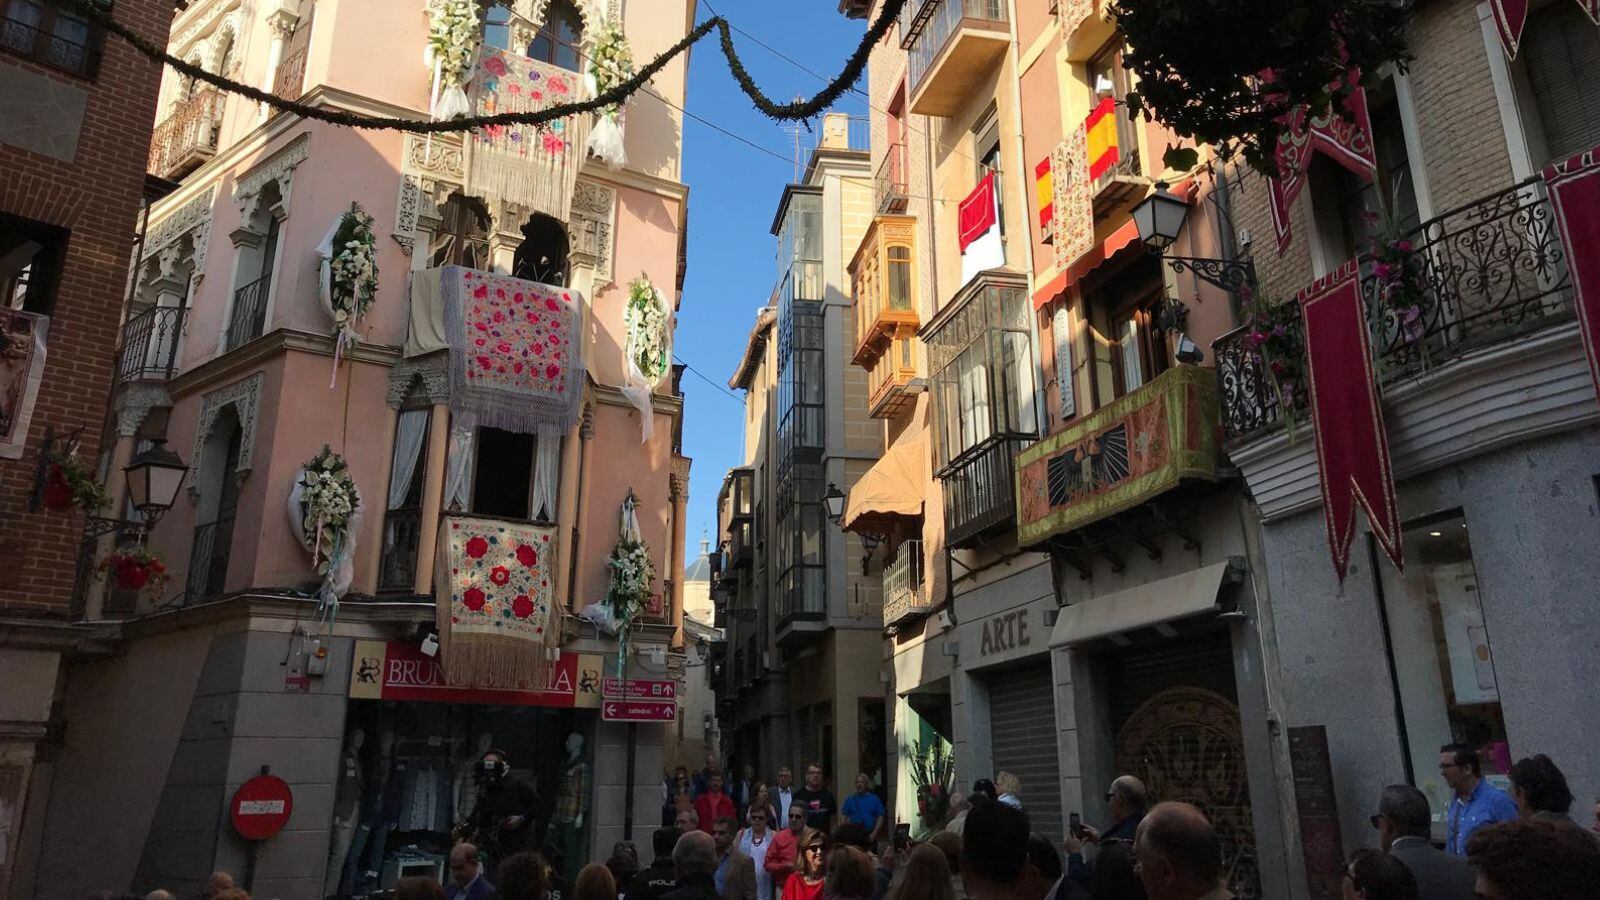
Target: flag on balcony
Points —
{"points": [[1347, 417], [1045, 191], [22, 345], [979, 230], [1345, 137], [1574, 188], [1101, 129], [494, 585], [516, 352], [534, 165], [1073, 204]]}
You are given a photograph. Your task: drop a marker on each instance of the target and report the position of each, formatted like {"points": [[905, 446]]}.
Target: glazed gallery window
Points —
{"points": [[56, 38], [983, 371], [1443, 662]]}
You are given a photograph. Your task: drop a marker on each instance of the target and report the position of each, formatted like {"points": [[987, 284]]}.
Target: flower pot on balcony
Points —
{"points": [[134, 569], [57, 492]]}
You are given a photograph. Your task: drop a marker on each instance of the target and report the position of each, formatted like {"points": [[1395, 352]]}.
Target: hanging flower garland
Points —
{"points": [[646, 320], [350, 280], [612, 65], [632, 577], [453, 36], [325, 514]]}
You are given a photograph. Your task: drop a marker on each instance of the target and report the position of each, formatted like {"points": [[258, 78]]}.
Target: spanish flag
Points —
{"points": [[1101, 127], [1044, 183]]}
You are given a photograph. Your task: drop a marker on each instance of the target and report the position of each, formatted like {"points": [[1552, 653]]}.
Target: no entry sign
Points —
{"points": [[261, 807]]}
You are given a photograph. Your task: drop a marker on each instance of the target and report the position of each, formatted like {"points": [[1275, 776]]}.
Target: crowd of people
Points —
{"points": [[749, 841]]}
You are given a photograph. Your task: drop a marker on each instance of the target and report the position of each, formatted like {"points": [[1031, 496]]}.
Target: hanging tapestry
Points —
{"points": [[516, 355], [22, 338], [1346, 138], [533, 165], [495, 592], [1045, 190], [1575, 195], [1073, 205], [1347, 417]]}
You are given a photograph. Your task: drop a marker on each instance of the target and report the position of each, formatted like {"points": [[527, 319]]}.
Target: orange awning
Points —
{"points": [[891, 489], [1115, 243]]}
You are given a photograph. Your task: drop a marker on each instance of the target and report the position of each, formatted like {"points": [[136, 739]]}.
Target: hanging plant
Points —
{"points": [[1281, 57], [611, 64], [327, 503], [135, 569], [1400, 273], [70, 481], [454, 33], [649, 339], [1275, 331], [932, 769]]}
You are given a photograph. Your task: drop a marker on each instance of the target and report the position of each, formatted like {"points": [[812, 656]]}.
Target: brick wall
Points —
{"points": [[95, 193]]}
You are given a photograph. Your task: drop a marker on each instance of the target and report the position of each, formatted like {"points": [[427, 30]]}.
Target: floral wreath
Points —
{"points": [[649, 339], [328, 502], [611, 64], [354, 270], [453, 36]]}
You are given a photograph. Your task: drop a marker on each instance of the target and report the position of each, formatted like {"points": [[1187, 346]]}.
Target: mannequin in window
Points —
{"points": [[560, 37], [572, 801], [346, 807], [542, 256]]}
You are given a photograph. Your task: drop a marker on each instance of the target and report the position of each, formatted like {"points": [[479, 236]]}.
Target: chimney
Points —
{"points": [[835, 131]]}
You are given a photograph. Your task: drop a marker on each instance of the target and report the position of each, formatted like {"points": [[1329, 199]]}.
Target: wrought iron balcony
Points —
{"points": [[1489, 272], [902, 585], [951, 45], [188, 137], [249, 312], [889, 184], [208, 561], [150, 345], [397, 567], [289, 81], [980, 491]]}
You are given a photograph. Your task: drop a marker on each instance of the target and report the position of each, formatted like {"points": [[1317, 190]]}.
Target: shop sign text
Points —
{"points": [[1004, 633]]}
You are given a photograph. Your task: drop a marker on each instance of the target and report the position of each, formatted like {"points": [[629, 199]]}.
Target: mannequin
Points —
{"points": [[346, 808], [572, 801], [385, 803], [466, 779]]}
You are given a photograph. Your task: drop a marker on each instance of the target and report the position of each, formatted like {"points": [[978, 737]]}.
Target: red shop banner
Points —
{"points": [[399, 670]]}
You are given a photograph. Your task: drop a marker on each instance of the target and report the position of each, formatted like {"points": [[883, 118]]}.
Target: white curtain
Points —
{"points": [[1132, 374], [546, 473], [409, 434], [1061, 330], [1019, 350], [458, 469]]}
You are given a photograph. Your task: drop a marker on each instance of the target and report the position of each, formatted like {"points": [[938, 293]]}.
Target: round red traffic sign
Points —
{"points": [[261, 807]]}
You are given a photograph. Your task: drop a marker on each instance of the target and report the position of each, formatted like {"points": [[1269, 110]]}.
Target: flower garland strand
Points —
{"points": [[453, 37], [351, 280], [648, 347], [611, 65]]}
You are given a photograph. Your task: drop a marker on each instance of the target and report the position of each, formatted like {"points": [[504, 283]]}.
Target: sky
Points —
{"points": [[733, 193]]}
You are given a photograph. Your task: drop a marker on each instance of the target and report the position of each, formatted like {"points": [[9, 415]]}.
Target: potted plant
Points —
{"points": [[69, 480], [135, 568], [932, 768]]}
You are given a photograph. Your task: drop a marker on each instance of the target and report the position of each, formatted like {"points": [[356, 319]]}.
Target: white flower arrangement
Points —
{"points": [[649, 337], [632, 576], [353, 273], [453, 35], [612, 64], [328, 501]]}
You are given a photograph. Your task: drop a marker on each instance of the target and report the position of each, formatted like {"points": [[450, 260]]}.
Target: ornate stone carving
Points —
{"points": [[202, 240], [204, 20], [134, 403], [245, 398], [184, 219], [586, 424], [279, 169], [593, 219], [431, 170], [434, 371]]}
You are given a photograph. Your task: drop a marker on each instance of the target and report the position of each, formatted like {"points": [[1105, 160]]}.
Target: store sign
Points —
{"points": [[261, 807], [639, 710], [1312, 769], [638, 689], [398, 670], [1005, 633]]}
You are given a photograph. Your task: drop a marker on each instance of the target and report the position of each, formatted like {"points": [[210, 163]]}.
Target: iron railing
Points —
{"points": [[150, 345], [932, 26], [289, 81], [208, 560], [902, 583], [397, 568], [1489, 271], [187, 136], [249, 312], [100, 536], [889, 184], [980, 490]]}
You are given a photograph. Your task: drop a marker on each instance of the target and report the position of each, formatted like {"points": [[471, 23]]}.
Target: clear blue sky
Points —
{"points": [[733, 194]]}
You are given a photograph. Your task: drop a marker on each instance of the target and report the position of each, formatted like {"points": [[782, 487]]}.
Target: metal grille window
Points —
{"points": [[53, 37]]}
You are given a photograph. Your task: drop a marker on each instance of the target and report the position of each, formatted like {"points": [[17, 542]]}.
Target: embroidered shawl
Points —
{"points": [[532, 165], [495, 590]]}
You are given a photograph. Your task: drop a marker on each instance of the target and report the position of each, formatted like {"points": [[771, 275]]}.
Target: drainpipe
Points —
{"points": [[585, 454]]}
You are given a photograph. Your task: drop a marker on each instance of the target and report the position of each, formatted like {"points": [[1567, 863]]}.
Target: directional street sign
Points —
{"points": [[639, 710], [638, 689]]}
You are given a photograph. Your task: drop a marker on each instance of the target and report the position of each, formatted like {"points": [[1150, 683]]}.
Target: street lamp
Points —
{"points": [[154, 478], [834, 499], [1160, 217]]}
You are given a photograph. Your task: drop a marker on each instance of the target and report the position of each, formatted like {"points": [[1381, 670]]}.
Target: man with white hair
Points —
{"points": [[694, 863]]}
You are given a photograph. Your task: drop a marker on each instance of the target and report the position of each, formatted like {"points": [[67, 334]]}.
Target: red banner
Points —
{"points": [[1509, 17], [1575, 196], [1346, 137], [977, 213], [1347, 417], [399, 670]]}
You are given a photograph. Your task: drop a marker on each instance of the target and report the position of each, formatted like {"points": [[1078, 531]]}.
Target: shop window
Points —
{"points": [[542, 255], [53, 37], [31, 255], [1128, 349], [463, 235], [1349, 209], [1560, 55], [1440, 651], [560, 37]]}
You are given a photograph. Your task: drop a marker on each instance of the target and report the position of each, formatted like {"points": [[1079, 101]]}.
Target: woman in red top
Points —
{"points": [[806, 883]]}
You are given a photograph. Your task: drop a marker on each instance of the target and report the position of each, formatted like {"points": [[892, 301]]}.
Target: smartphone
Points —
{"points": [[1075, 825], [902, 835]]}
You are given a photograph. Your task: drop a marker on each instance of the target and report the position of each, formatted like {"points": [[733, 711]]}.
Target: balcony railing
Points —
{"points": [[980, 491], [208, 560], [889, 184], [188, 137], [150, 345], [937, 24], [1489, 271], [397, 569], [249, 312], [289, 82], [902, 585]]}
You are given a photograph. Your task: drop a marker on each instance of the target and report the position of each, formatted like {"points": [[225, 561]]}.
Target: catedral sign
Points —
{"points": [[398, 670]]}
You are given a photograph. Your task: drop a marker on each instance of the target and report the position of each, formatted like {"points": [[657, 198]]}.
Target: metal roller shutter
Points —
{"points": [[1022, 725]]}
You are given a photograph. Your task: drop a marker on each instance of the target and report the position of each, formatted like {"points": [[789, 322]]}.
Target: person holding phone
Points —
{"points": [[1126, 801]]}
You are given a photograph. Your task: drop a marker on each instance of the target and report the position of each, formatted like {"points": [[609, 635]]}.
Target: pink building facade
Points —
{"points": [[230, 356]]}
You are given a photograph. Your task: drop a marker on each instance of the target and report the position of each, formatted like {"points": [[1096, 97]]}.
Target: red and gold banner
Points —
{"points": [[1100, 129], [1511, 16], [1575, 196], [1347, 417], [1045, 192], [977, 213], [1347, 138]]}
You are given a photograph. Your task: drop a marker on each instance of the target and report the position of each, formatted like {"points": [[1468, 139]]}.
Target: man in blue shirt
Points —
{"points": [[1476, 802], [865, 809]]}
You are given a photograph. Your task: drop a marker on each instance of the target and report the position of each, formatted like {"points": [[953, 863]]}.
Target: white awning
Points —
{"points": [[1167, 600]]}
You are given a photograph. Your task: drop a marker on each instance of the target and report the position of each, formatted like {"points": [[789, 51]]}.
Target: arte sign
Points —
{"points": [[1129, 451], [1004, 633], [398, 670], [261, 807], [639, 710]]}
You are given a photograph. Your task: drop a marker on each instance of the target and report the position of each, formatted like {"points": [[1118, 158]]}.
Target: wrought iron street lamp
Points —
{"points": [[1160, 218], [154, 478], [834, 500]]}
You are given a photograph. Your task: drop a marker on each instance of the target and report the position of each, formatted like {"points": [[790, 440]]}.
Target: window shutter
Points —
{"points": [[1561, 54]]}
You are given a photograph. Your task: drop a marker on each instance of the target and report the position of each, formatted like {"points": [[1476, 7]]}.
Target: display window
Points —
{"points": [[416, 777], [1442, 659]]}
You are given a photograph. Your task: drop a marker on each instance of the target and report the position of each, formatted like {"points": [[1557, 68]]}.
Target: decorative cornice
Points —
{"points": [[134, 403], [245, 398], [230, 365], [661, 403], [434, 370], [186, 218], [276, 168]]}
